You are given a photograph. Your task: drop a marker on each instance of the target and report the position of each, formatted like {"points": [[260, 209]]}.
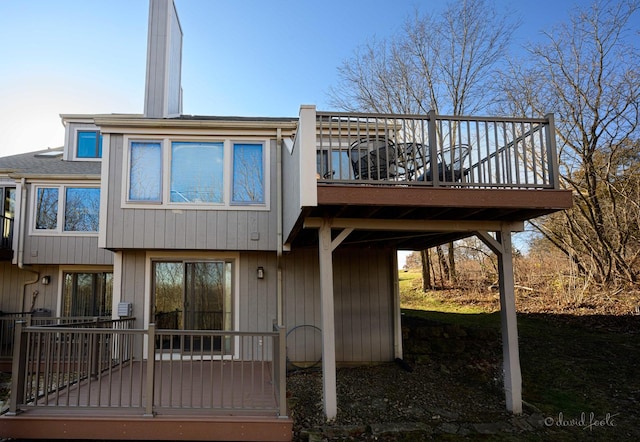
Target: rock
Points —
{"points": [[400, 430], [448, 427], [492, 427]]}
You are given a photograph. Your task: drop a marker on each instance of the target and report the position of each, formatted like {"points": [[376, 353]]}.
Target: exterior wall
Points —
{"points": [[256, 307], [184, 228], [363, 296], [65, 249], [291, 202], [12, 289]]}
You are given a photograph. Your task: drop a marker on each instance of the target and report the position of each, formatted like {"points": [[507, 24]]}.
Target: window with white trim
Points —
{"points": [[66, 209], [199, 173], [87, 293], [88, 144]]}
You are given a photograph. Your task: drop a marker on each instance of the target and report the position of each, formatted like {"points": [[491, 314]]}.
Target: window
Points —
{"points": [[89, 144], [145, 172], [197, 172], [194, 295], [248, 173], [47, 208], [7, 215], [87, 294], [79, 210]]}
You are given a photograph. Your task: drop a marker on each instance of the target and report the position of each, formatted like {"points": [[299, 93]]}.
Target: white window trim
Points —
{"points": [[265, 171], [74, 142], [193, 256], [78, 269], [165, 148], [59, 231]]}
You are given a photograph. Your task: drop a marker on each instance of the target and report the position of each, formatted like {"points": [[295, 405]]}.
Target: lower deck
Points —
{"points": [[194, 400]]}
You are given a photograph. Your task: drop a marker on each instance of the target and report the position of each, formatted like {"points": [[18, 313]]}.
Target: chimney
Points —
{"points": [[163, 92]]}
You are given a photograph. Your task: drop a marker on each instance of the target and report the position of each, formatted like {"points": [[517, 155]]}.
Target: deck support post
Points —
{"points": [[329, 395], [501, 245]]}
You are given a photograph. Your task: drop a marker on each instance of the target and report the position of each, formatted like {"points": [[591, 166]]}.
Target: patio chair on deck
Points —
{"points": [[373, 158], [451, 164]]}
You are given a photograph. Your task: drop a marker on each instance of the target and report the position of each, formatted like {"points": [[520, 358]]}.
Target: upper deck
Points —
{"points": [[405, 169]]}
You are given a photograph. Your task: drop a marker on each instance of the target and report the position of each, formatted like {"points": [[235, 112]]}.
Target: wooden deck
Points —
{"points": [[208, 400]]}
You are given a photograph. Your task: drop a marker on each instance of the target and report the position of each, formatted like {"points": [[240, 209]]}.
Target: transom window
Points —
{"points": [[66, 209], [89, 144], [196, 173]]}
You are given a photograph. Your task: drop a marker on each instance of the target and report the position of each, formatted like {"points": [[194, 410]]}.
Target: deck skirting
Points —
{"points": [[93, 426]]}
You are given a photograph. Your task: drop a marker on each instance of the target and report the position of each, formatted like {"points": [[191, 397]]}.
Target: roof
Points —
{"points": [[47, 163]]}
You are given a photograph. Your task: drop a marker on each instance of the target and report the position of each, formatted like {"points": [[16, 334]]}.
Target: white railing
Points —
{"points": [[115, 367], [435, 150]]}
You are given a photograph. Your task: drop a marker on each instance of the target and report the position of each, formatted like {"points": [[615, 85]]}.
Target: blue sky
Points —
{"points": [[240, 57]]}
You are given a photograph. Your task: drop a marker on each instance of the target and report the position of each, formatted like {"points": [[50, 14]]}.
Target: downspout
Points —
{"points": [[21, 233], [279, 289]]}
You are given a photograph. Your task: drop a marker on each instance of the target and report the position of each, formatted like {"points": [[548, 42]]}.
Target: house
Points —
{"points": [[160, 271]]}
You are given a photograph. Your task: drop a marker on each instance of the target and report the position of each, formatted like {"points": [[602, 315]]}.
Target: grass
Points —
{"points": [[573, 365]]}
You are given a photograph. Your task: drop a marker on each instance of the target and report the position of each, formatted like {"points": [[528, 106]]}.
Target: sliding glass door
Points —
{"points": [[193, 295]]}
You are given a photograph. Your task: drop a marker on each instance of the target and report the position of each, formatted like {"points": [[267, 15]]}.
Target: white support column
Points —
{"points": [[329, 394], [501, 245]]}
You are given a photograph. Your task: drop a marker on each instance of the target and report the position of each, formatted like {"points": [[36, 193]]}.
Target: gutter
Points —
{"points": [[21, 233]]}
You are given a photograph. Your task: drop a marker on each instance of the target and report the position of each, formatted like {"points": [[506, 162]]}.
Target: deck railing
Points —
{"points": [[8, 324], [435, 150], [113, 366]]}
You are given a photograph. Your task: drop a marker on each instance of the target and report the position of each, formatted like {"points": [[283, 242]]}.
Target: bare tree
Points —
{"points": [[588, 73], [447, 63]]}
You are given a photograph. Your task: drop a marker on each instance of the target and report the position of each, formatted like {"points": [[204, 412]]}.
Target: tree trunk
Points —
{"points": [[426, 271], [453, 277]]}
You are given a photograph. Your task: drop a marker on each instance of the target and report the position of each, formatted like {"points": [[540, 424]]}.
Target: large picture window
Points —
{"points": [[197, 172], [78, 211], [87, 294]]}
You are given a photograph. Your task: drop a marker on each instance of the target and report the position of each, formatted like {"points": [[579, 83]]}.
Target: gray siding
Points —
{"points": [[12, 281], [363, 297], [65, 249], [257, 297], [291, 205], [185, 229], [163, 61]]}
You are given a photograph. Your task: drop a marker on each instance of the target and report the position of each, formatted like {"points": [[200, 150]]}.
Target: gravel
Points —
{"points": [[387, 402]]}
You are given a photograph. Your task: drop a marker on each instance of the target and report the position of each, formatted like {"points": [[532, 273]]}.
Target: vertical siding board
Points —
{"points": [[160, 233], [221, 231], [128, 230], [252, 228], [232, 230], [201, 229], [149, 227], [138, 228], [170, 229], [189, 228], [242, 233], [212, 226]]}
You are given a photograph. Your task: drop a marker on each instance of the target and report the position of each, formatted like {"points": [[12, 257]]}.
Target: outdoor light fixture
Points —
{"points": [[260, 272], [45, 280]]}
